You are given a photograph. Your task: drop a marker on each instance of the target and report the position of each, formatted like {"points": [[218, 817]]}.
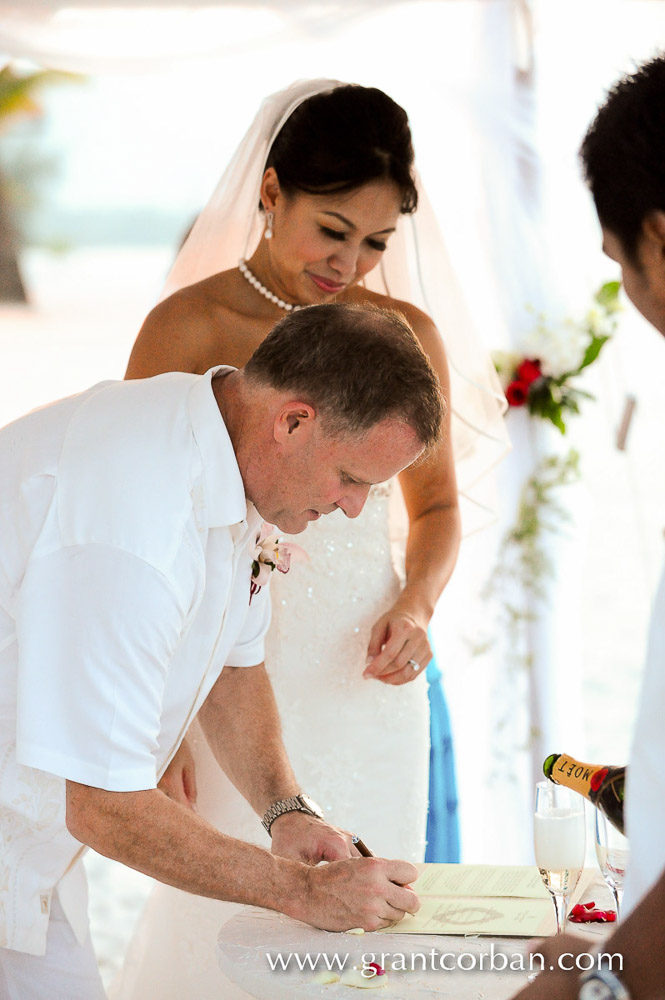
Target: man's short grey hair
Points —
{"points": [[357, 365]]}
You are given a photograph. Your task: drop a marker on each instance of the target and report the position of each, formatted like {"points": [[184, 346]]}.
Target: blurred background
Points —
{"points": [[116, 122]]}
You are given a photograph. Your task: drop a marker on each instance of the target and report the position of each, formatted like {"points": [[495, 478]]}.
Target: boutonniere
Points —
{"points": [[270, 554]]}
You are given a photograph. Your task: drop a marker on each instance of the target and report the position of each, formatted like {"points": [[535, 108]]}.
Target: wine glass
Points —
{"points": [[559, 831], [612, 853]]}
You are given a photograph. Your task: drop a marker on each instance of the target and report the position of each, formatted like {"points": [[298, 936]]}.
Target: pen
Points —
{"points": [[364, 850]]}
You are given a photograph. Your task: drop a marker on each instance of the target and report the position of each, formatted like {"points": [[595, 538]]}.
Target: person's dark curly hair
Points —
{"points": [[623, 154], [343, 138]]}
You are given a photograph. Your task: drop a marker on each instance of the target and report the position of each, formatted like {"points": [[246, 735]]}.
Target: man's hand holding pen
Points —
{"points": [[355, 889], [306, 838], [360, 892]]}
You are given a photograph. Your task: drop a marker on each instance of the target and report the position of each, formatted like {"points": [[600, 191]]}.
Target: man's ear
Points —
{"points": [[653, 233], [294, 421], [270, 190]]}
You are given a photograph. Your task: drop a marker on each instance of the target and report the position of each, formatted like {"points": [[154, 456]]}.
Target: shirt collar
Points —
{"points": [[226, 502]]}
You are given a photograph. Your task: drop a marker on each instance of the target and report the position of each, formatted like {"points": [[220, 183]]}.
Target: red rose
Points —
{"points": [[529, 371], [516, 393]]}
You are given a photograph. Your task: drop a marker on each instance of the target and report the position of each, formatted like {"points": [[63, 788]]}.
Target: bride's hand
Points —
{"points": [[305, 838], [179, 778], [396, 643]]}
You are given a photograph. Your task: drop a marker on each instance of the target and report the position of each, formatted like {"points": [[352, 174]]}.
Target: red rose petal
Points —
{"points": [[528, 371], [581, 914], [517, 392]]}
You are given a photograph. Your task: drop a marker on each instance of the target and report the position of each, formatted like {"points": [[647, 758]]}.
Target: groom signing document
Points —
{"points": [[129, 522]]}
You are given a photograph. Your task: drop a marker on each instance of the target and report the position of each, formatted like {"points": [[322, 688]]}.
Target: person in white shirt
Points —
{"points": [[623, 155], [129, 519]]}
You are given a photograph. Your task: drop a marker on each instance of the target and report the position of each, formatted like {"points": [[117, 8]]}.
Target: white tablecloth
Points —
{"points": [[252, 940]]}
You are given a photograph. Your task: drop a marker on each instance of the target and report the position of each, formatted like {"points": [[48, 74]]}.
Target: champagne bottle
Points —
{"points": [[603, 786]]}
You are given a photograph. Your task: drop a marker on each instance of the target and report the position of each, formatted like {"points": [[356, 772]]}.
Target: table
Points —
{"points": [[428, 966], [251, 941]]}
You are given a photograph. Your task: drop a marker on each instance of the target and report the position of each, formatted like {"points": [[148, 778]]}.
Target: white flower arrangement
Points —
{"points": [[542, 377]]}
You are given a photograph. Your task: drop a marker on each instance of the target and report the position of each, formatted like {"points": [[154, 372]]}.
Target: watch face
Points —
{"points": [[596, 989], [311, 805]]}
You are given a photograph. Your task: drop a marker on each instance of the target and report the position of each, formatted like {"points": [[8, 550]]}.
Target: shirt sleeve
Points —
{"points": [[249, 649], [96, 630]]}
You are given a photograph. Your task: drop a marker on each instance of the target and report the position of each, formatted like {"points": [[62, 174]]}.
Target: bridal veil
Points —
{"points": [[415, 268]]}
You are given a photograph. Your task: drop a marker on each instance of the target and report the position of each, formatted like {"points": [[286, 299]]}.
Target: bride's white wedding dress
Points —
{"points": [[358, 747]]}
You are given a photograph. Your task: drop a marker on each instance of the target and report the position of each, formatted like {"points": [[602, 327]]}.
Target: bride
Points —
{"points": [[317, 203]]}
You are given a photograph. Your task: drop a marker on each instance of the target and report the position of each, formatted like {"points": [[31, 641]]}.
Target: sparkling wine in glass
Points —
{"points": [[612, 853], [560, 841]]}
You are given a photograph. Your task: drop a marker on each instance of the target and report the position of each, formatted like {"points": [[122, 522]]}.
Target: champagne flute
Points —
{"points": [[560, 842], [612, 853]]}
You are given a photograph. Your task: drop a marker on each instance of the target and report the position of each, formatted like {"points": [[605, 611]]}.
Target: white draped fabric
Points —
{"points": [[534, 678], [114, 35]]}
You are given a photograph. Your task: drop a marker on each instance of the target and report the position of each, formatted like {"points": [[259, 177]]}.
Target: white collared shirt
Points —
{"points": [[126, 544], [645, 787]]}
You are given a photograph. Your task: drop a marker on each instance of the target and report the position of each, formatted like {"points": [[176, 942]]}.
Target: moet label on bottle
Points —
{"points": [[583, 778]]}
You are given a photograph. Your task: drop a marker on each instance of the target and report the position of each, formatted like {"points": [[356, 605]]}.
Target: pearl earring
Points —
{"points": [[270, 216]]}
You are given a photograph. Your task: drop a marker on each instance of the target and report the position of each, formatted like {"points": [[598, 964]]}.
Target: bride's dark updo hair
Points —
{"points": [[343, 138]]}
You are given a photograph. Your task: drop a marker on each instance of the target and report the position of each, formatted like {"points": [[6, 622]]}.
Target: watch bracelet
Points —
{"points": [[293, 803], [609, 979], [290, 804]]}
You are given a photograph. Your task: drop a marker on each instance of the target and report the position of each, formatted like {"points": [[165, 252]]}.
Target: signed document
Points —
{"points": [[483, 899]]}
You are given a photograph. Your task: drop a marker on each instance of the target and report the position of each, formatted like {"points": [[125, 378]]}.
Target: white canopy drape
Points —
{"points": [[116, 36]]}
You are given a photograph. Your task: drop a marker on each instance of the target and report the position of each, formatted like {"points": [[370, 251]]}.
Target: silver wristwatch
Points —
{"points": [[296, 803], [601, 984]]}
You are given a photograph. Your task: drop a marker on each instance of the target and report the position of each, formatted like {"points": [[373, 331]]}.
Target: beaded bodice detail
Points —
{"points": [[350, 570], [352, 742]]}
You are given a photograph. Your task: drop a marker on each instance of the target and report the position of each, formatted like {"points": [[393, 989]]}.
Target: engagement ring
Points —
{"points": [[412, 663]]}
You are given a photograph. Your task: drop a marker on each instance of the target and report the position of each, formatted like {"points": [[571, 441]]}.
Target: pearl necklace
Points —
{"points": [[262, 290]]}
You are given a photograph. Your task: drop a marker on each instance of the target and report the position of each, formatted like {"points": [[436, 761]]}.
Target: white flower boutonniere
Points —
{"points": [[270, 554]]}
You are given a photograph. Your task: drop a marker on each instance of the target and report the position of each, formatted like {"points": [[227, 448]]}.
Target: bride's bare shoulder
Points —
{"points": [[188, 329], [423, 325]]}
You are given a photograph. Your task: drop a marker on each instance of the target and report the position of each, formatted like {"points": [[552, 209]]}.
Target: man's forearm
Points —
{"points": [[639, 938], [241, 723], [152, 833], [149, 832]]}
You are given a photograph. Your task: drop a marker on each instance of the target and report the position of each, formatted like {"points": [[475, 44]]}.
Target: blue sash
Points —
{"points": [[442, 819]]}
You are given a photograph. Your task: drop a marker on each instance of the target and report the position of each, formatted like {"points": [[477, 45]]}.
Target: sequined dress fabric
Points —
{"points": [[358, 747]]}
